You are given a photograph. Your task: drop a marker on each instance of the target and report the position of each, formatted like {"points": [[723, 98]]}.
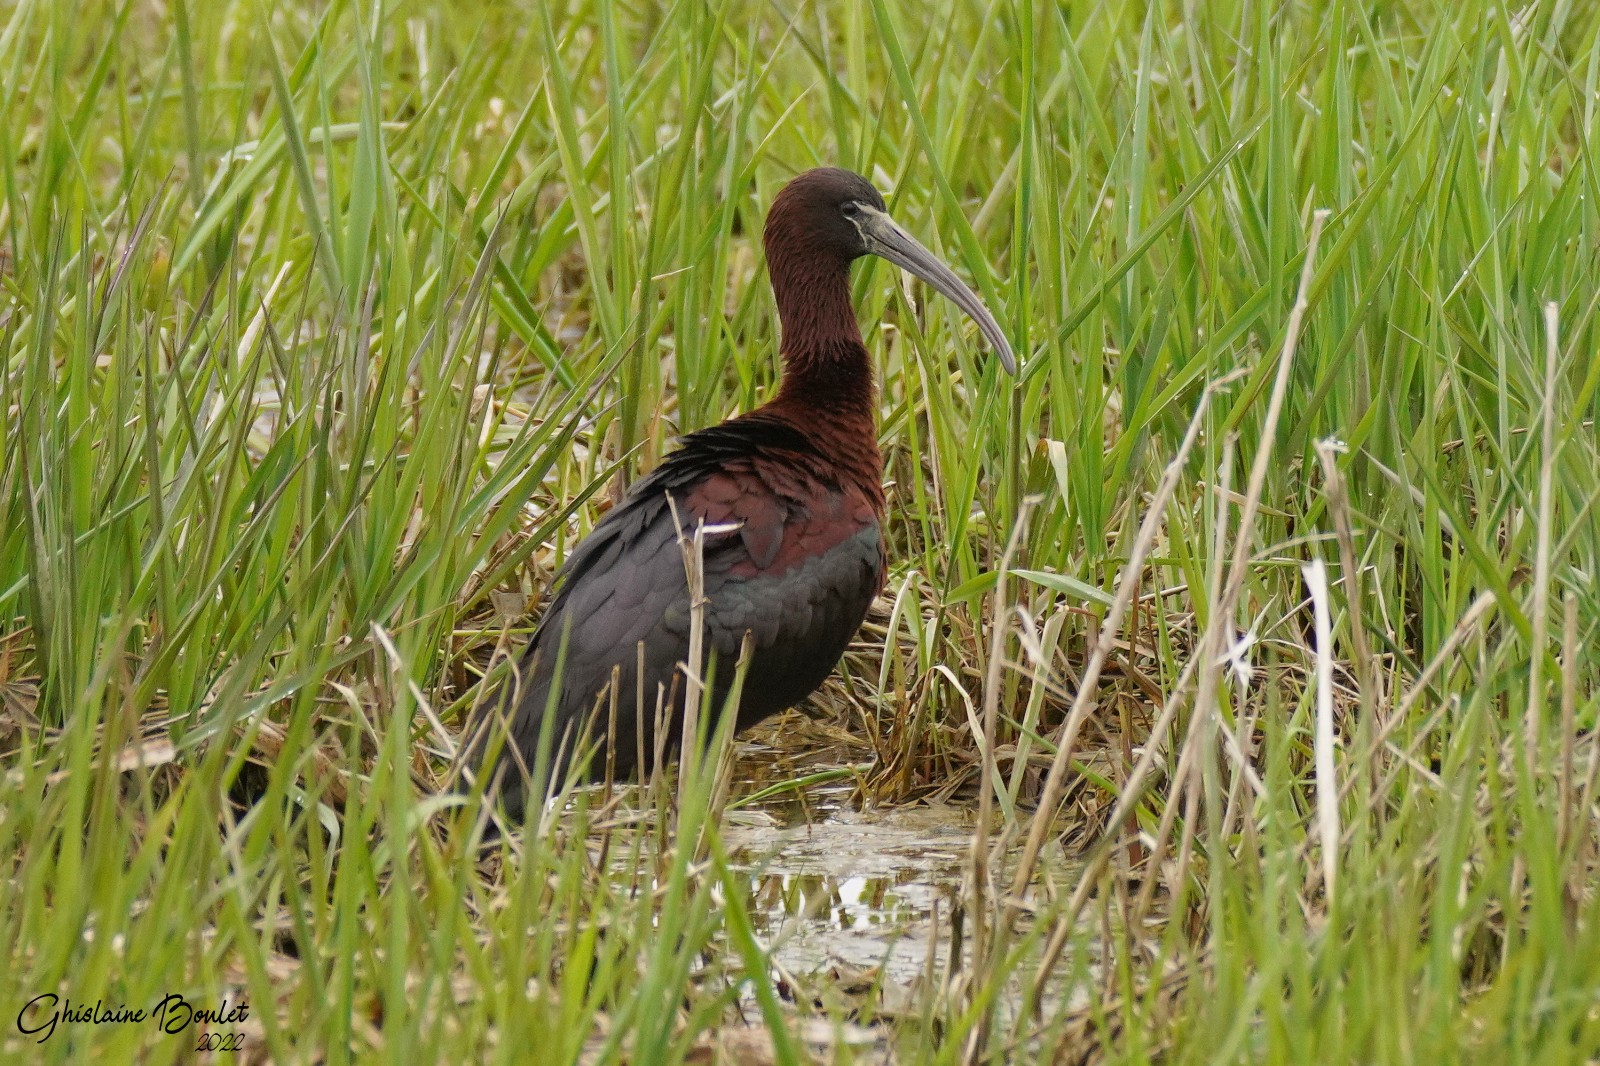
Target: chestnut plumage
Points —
{"points": [[792, 500]]}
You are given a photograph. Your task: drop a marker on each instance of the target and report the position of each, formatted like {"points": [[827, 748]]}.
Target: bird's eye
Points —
{"points": [[851, 209]]}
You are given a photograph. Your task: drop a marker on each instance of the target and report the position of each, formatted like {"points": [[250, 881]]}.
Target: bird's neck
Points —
{"points": [[826, 369], [828, 391]]}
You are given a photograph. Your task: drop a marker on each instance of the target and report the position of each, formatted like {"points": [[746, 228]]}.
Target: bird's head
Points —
{"points": [[832, 217]]}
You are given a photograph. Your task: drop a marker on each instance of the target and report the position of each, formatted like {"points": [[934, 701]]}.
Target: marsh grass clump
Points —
{"points": [[1253, 625]]}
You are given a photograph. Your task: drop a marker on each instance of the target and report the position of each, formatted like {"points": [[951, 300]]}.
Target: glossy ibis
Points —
{"points": [[791, 497]]}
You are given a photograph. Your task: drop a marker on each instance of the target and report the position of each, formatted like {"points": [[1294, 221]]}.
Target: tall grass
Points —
{"points": [[328, 328]]}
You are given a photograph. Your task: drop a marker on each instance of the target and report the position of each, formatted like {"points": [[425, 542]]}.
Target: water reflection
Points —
{"points": [[862, 888]]}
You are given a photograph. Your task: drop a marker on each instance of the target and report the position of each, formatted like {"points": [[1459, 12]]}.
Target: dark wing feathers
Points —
{"points": [[797, 566]]}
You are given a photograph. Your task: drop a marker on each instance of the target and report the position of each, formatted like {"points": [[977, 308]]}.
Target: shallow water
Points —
{"points": [[842, 889], [853, 904], [860, 888], [850, 902]]}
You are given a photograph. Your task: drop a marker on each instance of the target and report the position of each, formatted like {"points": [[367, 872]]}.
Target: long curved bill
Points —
{"points": [[888, 240]]}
